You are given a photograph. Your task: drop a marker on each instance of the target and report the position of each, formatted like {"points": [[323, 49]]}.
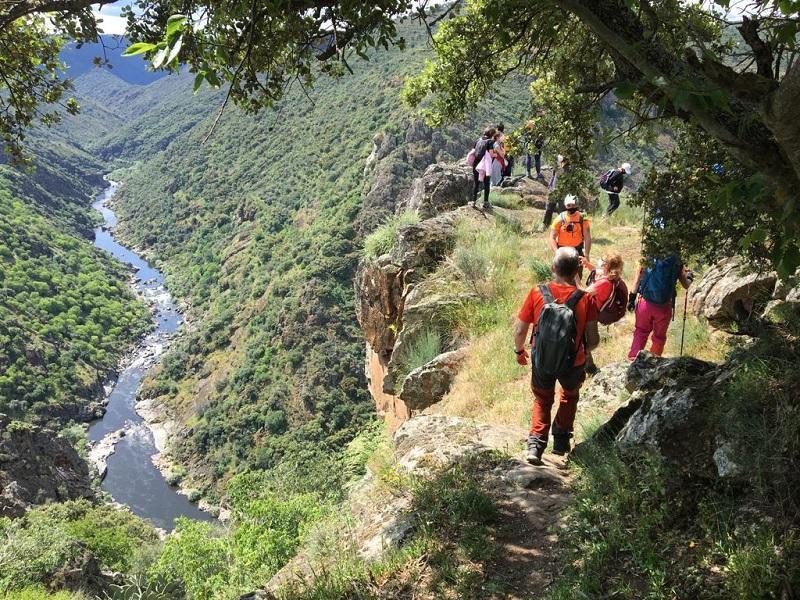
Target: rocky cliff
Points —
{"points": [[37, 466]]}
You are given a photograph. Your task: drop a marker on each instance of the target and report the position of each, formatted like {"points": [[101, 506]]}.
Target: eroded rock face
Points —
{"points": [[428, 384], [36, 466], [443, 187], [729, 296], [672, 412], [605, 387]]}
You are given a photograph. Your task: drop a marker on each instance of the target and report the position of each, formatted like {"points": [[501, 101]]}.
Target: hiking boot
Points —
{"points": [[561, 445], [592, 370], [535, 450], [487, 207]]}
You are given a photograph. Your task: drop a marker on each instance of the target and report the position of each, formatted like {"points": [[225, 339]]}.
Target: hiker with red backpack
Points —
{"points": [[480, 159], [655, 286], [564, 320], [609, 293], [612, 182]]}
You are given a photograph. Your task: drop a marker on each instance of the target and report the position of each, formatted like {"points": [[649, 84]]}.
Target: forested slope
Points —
{"points": [[66, 314], [259, 229]]}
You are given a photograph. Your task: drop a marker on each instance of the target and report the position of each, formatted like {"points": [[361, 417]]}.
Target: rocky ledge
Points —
{"points": [[36, 466]]}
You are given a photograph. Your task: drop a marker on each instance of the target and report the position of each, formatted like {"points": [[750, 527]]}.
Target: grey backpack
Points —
{"points": [[556, 334]]}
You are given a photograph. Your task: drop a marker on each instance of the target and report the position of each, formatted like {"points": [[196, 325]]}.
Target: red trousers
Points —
{"points": [[544, 392]]}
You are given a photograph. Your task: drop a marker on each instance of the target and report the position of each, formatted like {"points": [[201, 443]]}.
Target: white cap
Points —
{"points": [[626, 167], [570, 200]]}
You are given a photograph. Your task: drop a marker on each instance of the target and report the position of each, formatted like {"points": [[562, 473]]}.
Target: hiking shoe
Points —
{"points": [[487, 207], [561, 445], [535, 450], [592, 370]]}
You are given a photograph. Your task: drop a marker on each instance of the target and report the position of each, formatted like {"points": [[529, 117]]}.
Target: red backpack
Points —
{"points": [[613, 309]]}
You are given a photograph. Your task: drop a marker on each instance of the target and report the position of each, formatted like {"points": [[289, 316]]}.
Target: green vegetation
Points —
{"points": [[446, 555], [46, 539], [426, 346], [66, 314], [262, 239], [383, 239], [708, 540]]}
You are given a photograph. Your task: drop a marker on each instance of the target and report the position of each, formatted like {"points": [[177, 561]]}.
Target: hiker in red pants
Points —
{"points": [[564, 321], [656, 285]]}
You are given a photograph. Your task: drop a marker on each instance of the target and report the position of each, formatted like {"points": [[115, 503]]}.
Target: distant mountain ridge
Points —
{"points": [[133, 70]]}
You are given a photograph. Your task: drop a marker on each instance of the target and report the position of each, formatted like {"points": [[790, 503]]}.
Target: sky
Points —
{"points": [[113, 23]]}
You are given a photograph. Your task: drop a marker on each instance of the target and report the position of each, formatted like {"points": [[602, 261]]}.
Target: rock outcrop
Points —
{"points": [[672, 412], [443, 187], [383, 517], [394, 306], [730, 296], [428, 384], [532, 191], [36, 466]]}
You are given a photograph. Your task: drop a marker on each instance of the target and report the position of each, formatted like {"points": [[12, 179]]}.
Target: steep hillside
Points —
{"points": [[258, 229]]}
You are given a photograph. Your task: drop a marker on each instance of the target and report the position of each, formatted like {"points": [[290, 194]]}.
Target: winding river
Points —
{"points": [[132, 478]]}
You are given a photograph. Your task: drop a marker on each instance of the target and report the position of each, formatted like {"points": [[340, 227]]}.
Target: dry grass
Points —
{"points": [[492, 387]]}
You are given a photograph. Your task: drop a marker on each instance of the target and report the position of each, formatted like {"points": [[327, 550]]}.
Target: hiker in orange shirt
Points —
{"points": [[564, 320], [571, 230]]}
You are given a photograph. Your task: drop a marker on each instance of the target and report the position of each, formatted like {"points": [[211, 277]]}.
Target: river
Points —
{"points": [[132, 478]]}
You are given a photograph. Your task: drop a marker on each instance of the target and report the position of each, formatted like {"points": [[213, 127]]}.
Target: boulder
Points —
{"points": [[730, 296], [672, 413], [606, 386], [428, 384], [36, 466], [443, 187]]}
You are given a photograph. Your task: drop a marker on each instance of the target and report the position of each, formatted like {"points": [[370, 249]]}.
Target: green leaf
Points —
{"points": [[158, 59], [138, 48], [175, 24], [173, 53], [198, 80]]}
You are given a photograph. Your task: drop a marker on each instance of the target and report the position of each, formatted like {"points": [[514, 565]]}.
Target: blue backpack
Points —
{"points": [[658, 282]]}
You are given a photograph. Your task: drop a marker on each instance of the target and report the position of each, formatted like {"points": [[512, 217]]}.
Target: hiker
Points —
{"points": [[562, 164], [538, 144], [480, 159], [612, 181], [656, 287], [499, 163], [525, 144], [608, 291], [564, 320], [571, 229]]}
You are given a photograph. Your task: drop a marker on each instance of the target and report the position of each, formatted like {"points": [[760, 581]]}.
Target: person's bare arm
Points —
{"points": [[635, 285], [553, 239], [592, 336], [521, 329], [587, 240]]}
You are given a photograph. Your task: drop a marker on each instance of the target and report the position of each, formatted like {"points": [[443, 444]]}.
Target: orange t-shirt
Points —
{"points": [[585, 312], [572, 238]]}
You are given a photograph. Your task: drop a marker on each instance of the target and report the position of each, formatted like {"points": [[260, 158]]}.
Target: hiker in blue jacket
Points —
{"points": [[656, 287]]}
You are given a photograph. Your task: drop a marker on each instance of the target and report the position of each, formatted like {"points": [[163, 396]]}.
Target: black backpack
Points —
{"points": [[556, 335]]}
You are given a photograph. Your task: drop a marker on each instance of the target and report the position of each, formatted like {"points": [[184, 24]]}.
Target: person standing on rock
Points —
{"points": [[564, 320], [656, 287], [499, 163], [481, 162]]}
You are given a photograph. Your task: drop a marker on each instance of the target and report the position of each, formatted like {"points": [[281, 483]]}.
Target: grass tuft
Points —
{"points": [[383, 239]]}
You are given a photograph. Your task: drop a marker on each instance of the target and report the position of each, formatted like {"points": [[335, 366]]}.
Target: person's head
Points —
{"points": [[566, 263], [625, 168], [489, 132], [612, 264], [501, 128], [529, 125], [498, 135], [571, 203]]}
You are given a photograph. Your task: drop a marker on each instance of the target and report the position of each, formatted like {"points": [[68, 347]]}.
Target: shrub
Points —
{"points": [[383, 239], [541, 270], [49, 537], [424, 348], [510, 201]]}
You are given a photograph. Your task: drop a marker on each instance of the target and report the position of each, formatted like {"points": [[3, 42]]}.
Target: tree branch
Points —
{"points": [[761, 50]]}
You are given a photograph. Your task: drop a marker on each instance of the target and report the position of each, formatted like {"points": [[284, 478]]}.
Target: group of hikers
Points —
{"points": [[560, 319]]}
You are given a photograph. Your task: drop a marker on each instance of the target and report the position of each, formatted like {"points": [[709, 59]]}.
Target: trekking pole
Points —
{"points": [[683, 328]]}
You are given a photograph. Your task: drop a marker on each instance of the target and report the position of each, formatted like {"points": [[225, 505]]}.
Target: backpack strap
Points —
{"points": [[547, 295], [574, 298]]}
